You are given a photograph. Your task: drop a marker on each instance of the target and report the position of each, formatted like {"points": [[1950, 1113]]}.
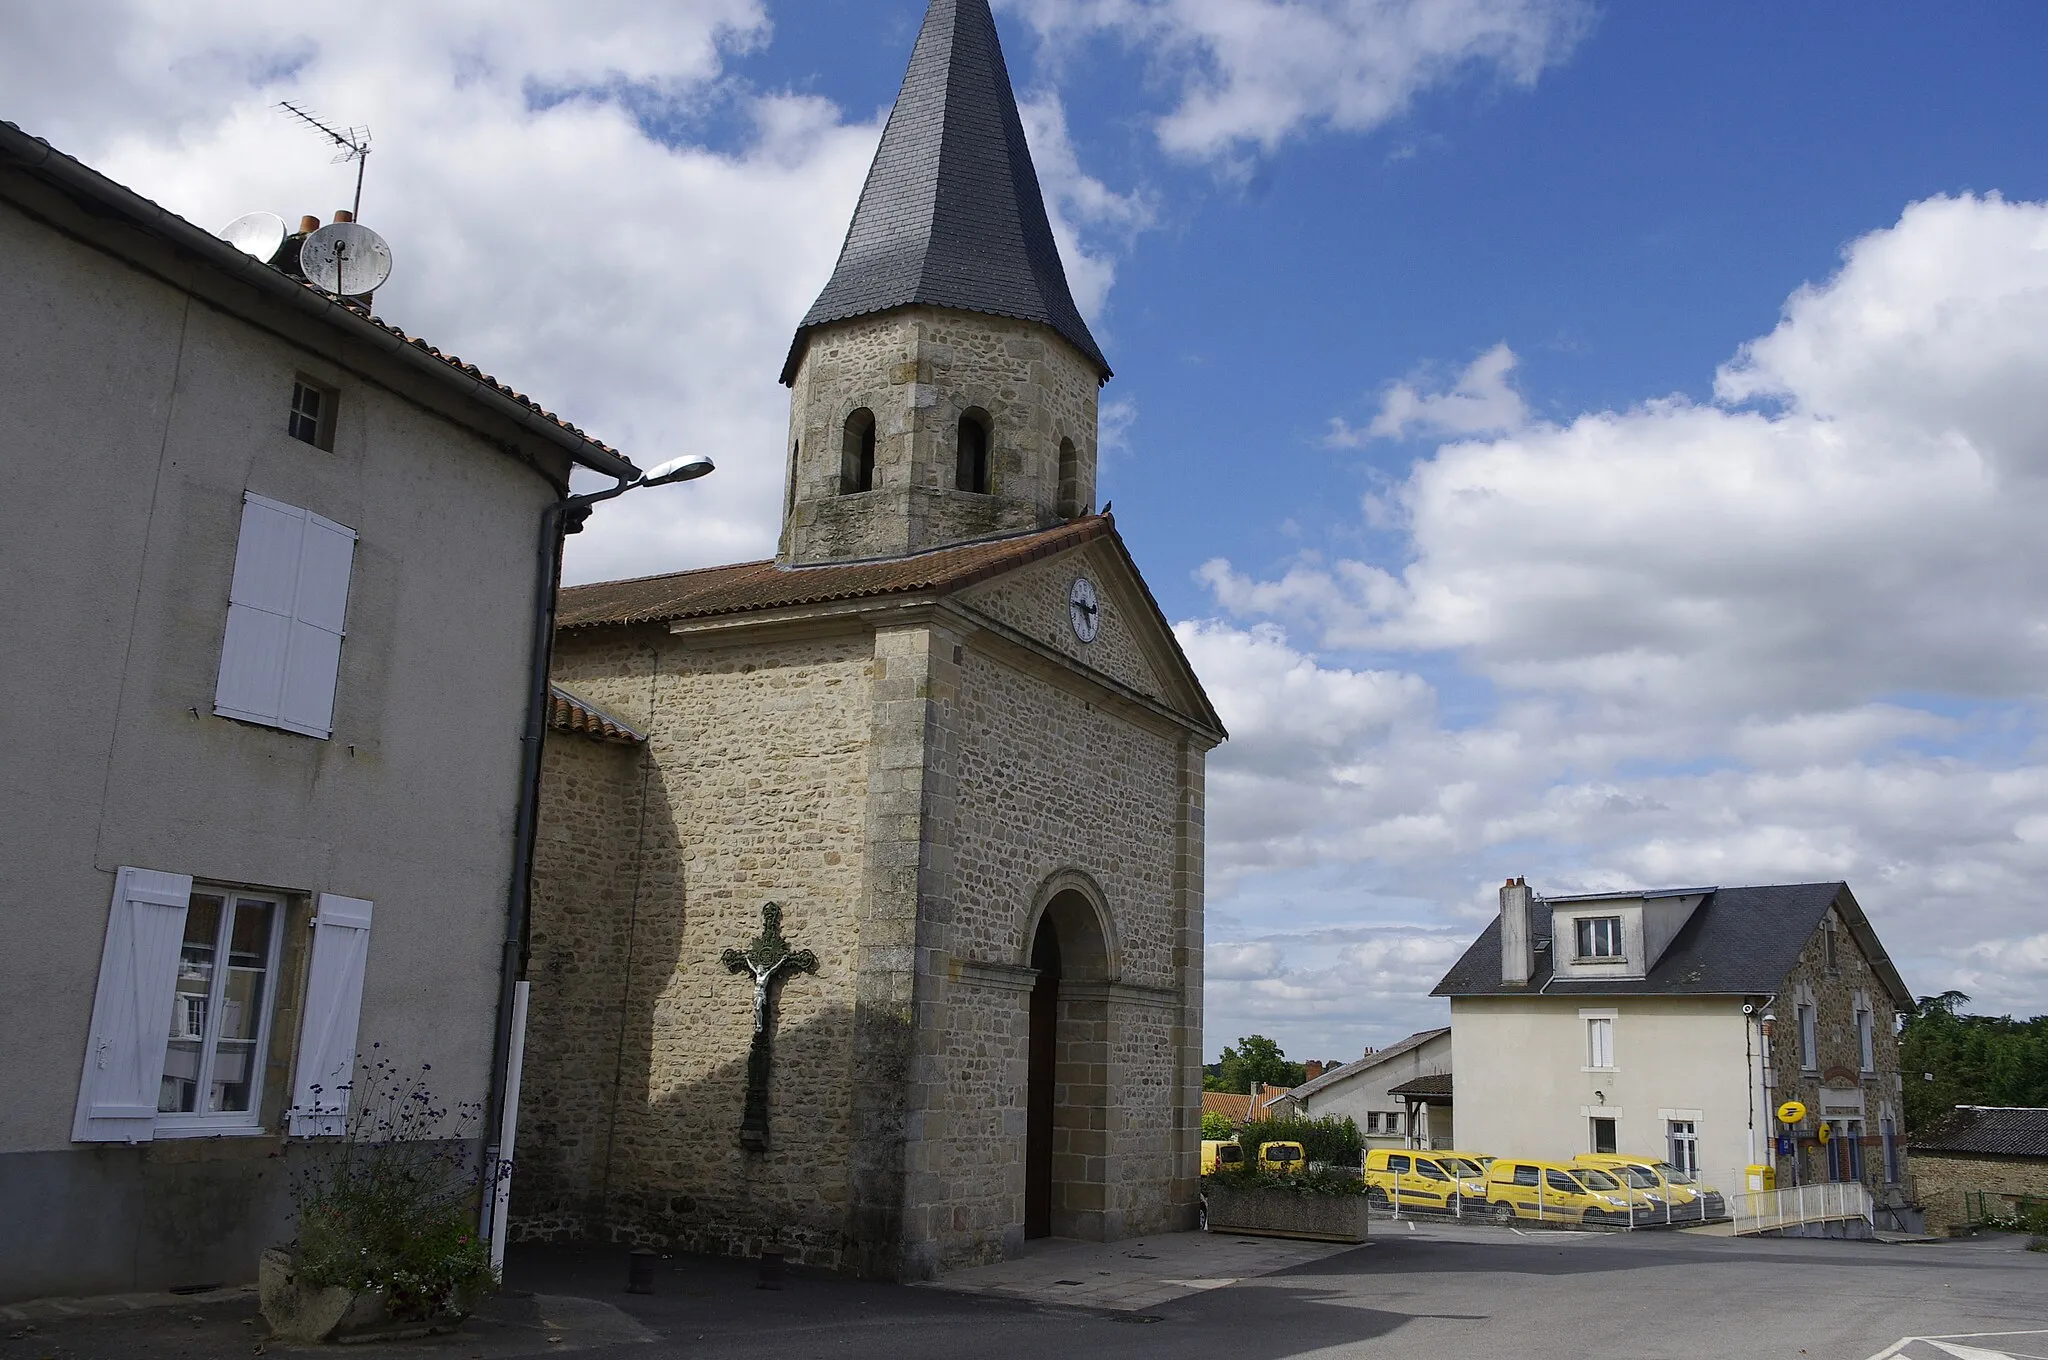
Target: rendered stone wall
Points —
{"points": [[1838, 1068], [919, 370], [762, 757], [1948, 1184]]}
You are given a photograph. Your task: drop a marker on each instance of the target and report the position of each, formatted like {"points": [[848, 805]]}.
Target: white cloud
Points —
{"points": [[1252, 73], [1077, 201], [644, 289], [1800, 633], [1482, 400]]}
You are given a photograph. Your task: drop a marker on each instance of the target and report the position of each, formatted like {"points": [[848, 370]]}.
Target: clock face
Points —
{"points": [[1084, 610]]}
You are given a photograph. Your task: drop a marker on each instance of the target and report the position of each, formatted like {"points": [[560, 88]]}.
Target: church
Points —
{"points": [[868, 906]]}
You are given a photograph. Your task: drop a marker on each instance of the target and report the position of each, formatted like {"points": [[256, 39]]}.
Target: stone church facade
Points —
{"points": [[947, 731]]}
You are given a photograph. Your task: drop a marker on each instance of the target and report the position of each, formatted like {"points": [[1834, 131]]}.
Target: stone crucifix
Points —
{"points": [[768, 959]]}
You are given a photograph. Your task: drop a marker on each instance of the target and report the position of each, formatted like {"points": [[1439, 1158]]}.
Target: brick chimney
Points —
{"points": [[1313, 1069], [1517, 945]]}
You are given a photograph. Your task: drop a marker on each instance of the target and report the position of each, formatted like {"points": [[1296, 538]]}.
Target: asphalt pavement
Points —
{"points": [[1422, 1293]]}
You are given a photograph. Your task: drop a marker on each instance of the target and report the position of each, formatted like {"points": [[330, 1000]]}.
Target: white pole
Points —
{"points": [[501, 1177]]}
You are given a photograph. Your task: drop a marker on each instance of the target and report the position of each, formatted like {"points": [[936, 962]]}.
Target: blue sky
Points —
{"points": [[1594, 441]]}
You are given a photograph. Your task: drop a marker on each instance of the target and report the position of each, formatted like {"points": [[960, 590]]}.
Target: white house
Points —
{"points": [[1365, 1091], [1676, 1023], [274, 578]]}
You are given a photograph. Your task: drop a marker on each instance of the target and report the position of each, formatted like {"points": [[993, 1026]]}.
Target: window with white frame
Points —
{"points": [[1866, 1038], [1599, 937], [182, 1015], [1600, 1041], [281, 657], [1809, 1036], [1891, 1150], [1683, 1136]]}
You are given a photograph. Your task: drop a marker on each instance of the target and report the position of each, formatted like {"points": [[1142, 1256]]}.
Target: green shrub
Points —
{"points": [[2029, 1216], [395, 1207], [1316, 1180], [1216, 1127], [1331, 1140]]}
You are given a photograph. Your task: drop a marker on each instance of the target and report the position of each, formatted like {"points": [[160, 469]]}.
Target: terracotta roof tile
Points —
{"points": [[748, 586], [570, 713]]}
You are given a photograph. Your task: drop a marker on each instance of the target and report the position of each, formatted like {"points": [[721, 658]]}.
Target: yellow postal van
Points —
{"points": [[1554, 1192], [1220, 1154], [1686, 1199], [1285, 1158], [1405, 1178]]}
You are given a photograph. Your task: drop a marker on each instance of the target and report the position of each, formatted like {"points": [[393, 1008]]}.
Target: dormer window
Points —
{"points": [[1599, 937], [972, 472], [857, 454]]}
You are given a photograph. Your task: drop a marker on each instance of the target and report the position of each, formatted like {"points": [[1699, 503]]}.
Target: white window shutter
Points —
{"points": [[131, 1011], [327, 1030], [286, 609], [313, 660]]}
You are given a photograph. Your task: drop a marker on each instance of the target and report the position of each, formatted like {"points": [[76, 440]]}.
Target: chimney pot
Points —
{"points": [[344, 215], [308, 225]]}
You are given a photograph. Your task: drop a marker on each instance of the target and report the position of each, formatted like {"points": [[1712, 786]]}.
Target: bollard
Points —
{"points": [[640, 1270], [771, 1269]]}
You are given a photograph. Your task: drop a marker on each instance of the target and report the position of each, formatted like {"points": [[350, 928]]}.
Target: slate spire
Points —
{"points": [[952, 215]]}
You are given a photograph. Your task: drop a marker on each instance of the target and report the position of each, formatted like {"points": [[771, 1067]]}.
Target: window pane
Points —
{"points": [[180, 1091], [241, 1012]]}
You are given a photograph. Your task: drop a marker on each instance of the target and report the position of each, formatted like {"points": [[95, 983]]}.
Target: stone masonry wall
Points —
{"points": [[1045, 780], [763, 760], [1034, 600], [584, 905], [1948, 1184], [919, 370], [1838, 1068]]}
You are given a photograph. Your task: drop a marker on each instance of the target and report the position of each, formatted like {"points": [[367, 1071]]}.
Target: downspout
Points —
{"points": [[519, 900]]}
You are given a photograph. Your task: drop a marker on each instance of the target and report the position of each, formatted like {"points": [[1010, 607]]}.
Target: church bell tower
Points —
{"points": [[943, 387]]}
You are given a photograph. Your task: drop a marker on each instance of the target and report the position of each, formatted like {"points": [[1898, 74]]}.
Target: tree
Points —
{"points": [[1217, 1127], [1948, 1059], [1258, 1059]]}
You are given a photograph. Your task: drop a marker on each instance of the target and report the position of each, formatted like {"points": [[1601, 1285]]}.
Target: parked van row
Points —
{"points": [[1599, 1188]]}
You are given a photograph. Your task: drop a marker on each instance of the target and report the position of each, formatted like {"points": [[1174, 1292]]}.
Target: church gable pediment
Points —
{"points": [[1049, 602]]}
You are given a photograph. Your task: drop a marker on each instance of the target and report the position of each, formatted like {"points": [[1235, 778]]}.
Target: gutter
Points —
{"points": [[73, 177]]}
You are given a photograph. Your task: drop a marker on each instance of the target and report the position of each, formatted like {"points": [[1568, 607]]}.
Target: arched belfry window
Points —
{"points": [[1069, 503], [857, 454], [972, 473]]}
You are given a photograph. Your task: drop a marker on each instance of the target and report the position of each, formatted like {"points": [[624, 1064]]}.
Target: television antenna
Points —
{"points": [[354, 143]]}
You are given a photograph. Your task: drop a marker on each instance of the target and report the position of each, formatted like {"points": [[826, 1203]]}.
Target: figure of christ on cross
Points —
{"points": [[769, 959]]}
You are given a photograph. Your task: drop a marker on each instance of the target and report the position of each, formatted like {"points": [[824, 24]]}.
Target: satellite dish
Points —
{"points": [[345, 258], [257, 233]]}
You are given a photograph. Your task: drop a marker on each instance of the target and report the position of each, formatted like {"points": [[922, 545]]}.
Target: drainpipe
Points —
{"points": [[557, 522]]}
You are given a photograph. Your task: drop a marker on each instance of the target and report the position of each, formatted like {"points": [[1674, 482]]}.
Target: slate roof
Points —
{"points": [[1360, 1066], [1739, 942], [109, 199], [1436, 1084], [572, 713], [1989, 1131], [951, 215]]}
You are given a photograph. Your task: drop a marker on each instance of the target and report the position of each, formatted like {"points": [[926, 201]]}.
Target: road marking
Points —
{"points": [[1932, 1347]]}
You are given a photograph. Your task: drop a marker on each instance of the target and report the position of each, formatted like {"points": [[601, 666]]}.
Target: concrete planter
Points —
{"points": [[1283, 1213], [306, 1314]]}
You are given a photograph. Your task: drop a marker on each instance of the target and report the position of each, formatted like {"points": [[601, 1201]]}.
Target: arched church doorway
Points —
{"points": [[1066, 1135]]}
